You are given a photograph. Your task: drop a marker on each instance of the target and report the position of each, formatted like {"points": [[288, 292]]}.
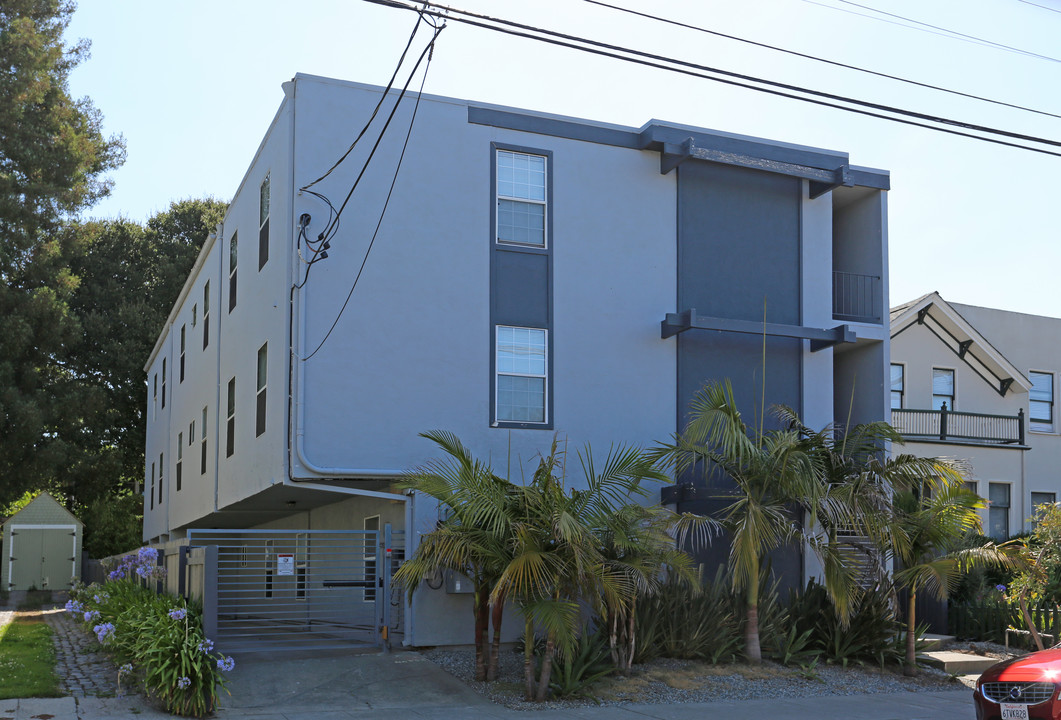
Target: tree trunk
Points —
{"points": [[496, 616], [528, 658], [631, 636], [482, 617], [910, 666], [547, 668], [1029, 622], [751, 627]]}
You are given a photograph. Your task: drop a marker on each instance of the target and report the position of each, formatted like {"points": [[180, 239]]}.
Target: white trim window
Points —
{"points": [[898, 390], [522, 374], [521, 198], [1041, 401], [942, 388]]}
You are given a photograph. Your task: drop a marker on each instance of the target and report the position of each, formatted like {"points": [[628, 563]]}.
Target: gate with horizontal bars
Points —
{"points": [[300, 589]]}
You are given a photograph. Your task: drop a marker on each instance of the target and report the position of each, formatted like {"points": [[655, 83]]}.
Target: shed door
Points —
{"points": [[42, 558]]}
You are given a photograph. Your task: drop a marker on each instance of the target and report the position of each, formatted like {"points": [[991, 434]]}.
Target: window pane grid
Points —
{"points": [[520, 176], [521, 374], [521, 198], [1041, 397]]}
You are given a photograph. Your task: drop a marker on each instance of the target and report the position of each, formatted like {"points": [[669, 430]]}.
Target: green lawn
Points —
{"points": [[27, 659]]}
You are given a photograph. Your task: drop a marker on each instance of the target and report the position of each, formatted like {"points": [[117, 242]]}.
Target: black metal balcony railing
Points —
{"points": [[857, 297], [946, 424]]}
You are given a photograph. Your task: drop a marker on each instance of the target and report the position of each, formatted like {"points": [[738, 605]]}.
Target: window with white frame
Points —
{"points": [[1041, 400], [259, 409], [942, 388], [230, 430], [521, 198], [522, 374], [206, 314], [898, 386], [998, 510], [202, 445], [180, 459]]}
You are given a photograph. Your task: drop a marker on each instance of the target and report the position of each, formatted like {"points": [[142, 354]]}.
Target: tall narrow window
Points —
{"points": [[521, 198], [263, 223], [233, 243], [1041, 400], [180, 459], [942, 388], [151, 494], [998, 513], [154, 396], [191, 433], [163, 383], [898, 386], [195, 314], [184, 329], [259, 409], [161, 472], [202, 445], [521, 374], [206, 314], [230, 434]]}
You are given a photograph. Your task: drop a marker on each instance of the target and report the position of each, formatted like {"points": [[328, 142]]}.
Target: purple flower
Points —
{"points": [[183, 683], [226, 664], [1000, 588], [147, 555], [143, 571], [126, 668], [206, 645], [178, 613], [104, 632], [118, 574], [74, 606], [91, 615], [101, 598]]}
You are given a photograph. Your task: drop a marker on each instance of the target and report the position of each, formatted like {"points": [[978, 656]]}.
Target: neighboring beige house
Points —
{"points": [[981, 384], [41, 548]]}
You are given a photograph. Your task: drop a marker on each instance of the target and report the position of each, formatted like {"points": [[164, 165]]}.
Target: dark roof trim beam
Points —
{"points": [[964, 349], [822, 179], [676, 323]]}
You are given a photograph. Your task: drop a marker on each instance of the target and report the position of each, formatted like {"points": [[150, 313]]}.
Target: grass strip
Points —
{"points": [[27, 659]]}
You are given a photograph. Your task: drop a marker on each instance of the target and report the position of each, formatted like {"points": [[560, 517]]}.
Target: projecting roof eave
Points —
{"points": [[964, 340]]}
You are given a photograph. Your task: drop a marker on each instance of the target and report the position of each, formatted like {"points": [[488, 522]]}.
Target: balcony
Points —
{"points": [[857, 297], [947, 425]]}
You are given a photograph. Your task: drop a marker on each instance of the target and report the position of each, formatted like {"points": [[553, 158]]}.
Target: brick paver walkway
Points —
{"points": [[83, 668]]}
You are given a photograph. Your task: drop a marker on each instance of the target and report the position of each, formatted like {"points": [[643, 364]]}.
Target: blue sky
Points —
{"points": [[193, 85]]}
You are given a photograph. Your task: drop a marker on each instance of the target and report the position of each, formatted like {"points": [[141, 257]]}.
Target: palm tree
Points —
{"points": [[780, 495], [930, 517], [473, 540]]}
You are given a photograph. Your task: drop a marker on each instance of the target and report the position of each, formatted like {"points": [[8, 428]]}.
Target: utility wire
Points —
{"points": [[383, 212], [836, 63], [1044, 7], [688, 68], [1010, 48]]}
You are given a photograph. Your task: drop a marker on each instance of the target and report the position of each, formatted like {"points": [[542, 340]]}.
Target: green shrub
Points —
{"points": [[157, 636], [576, 670], [866, 638]]}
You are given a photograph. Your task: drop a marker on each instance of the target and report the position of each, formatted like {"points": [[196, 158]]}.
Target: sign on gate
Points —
{"points": [[285, 564]]}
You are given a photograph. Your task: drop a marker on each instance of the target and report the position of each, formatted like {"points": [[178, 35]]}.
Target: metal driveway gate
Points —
{"points": [[300, 589]]}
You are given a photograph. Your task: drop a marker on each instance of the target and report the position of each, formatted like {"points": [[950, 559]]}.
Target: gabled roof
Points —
{"points": [[964, 340], [52, 506]]}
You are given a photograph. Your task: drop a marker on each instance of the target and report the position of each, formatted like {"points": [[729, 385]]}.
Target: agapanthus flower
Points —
{"points": [[91, 615], [206, 645], [104, 632], [74, 606], [126, 668], [1000, 588], [226, 663], [178, 613], [101, 598], [183, 683]]}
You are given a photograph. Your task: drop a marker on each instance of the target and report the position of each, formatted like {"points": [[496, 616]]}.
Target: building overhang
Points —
{"points": [[820, 338], [965, 341]]}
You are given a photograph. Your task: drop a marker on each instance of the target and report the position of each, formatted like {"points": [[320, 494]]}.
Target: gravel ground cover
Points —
{"points": [[685, 681]]}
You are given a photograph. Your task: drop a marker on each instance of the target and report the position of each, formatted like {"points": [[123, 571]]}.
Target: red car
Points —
{"points": [[1023, 688]]}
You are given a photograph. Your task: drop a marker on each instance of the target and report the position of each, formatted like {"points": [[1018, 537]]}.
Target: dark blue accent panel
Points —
{"points": [[738, 243], [521, 280]]}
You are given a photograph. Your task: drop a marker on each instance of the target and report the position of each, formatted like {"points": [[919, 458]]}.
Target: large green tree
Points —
{"points": [[53, 164]]}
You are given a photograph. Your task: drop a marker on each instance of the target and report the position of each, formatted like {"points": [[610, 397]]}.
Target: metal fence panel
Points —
{"points": [[302, 589]]}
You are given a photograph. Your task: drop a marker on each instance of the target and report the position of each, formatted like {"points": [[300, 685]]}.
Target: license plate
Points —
{"points": [[1012, 711]]}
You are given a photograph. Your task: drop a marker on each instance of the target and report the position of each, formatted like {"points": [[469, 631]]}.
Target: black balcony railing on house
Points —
{"points": [[944, 424], [857, 297]]}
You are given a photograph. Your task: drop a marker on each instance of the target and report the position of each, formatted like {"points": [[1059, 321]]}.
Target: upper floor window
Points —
{"points": [[233, 244], [151, 490], [259, 411], [263, 223], [163, 383], [898, 386], [184, 329], [521, 198], [942, 388], [522, 374], [206, 314], [180, 459], [202, 445], [161, 472], [230, 430], [1041, 400]]}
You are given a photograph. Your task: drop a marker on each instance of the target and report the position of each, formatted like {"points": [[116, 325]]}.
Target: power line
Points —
{"points": [[807, 56], [687, 68], [394, 180], [948, 32], [1044, 7]]}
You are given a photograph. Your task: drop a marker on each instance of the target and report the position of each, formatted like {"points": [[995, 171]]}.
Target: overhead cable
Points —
{"points": [[595, 47], [815, 58]]}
